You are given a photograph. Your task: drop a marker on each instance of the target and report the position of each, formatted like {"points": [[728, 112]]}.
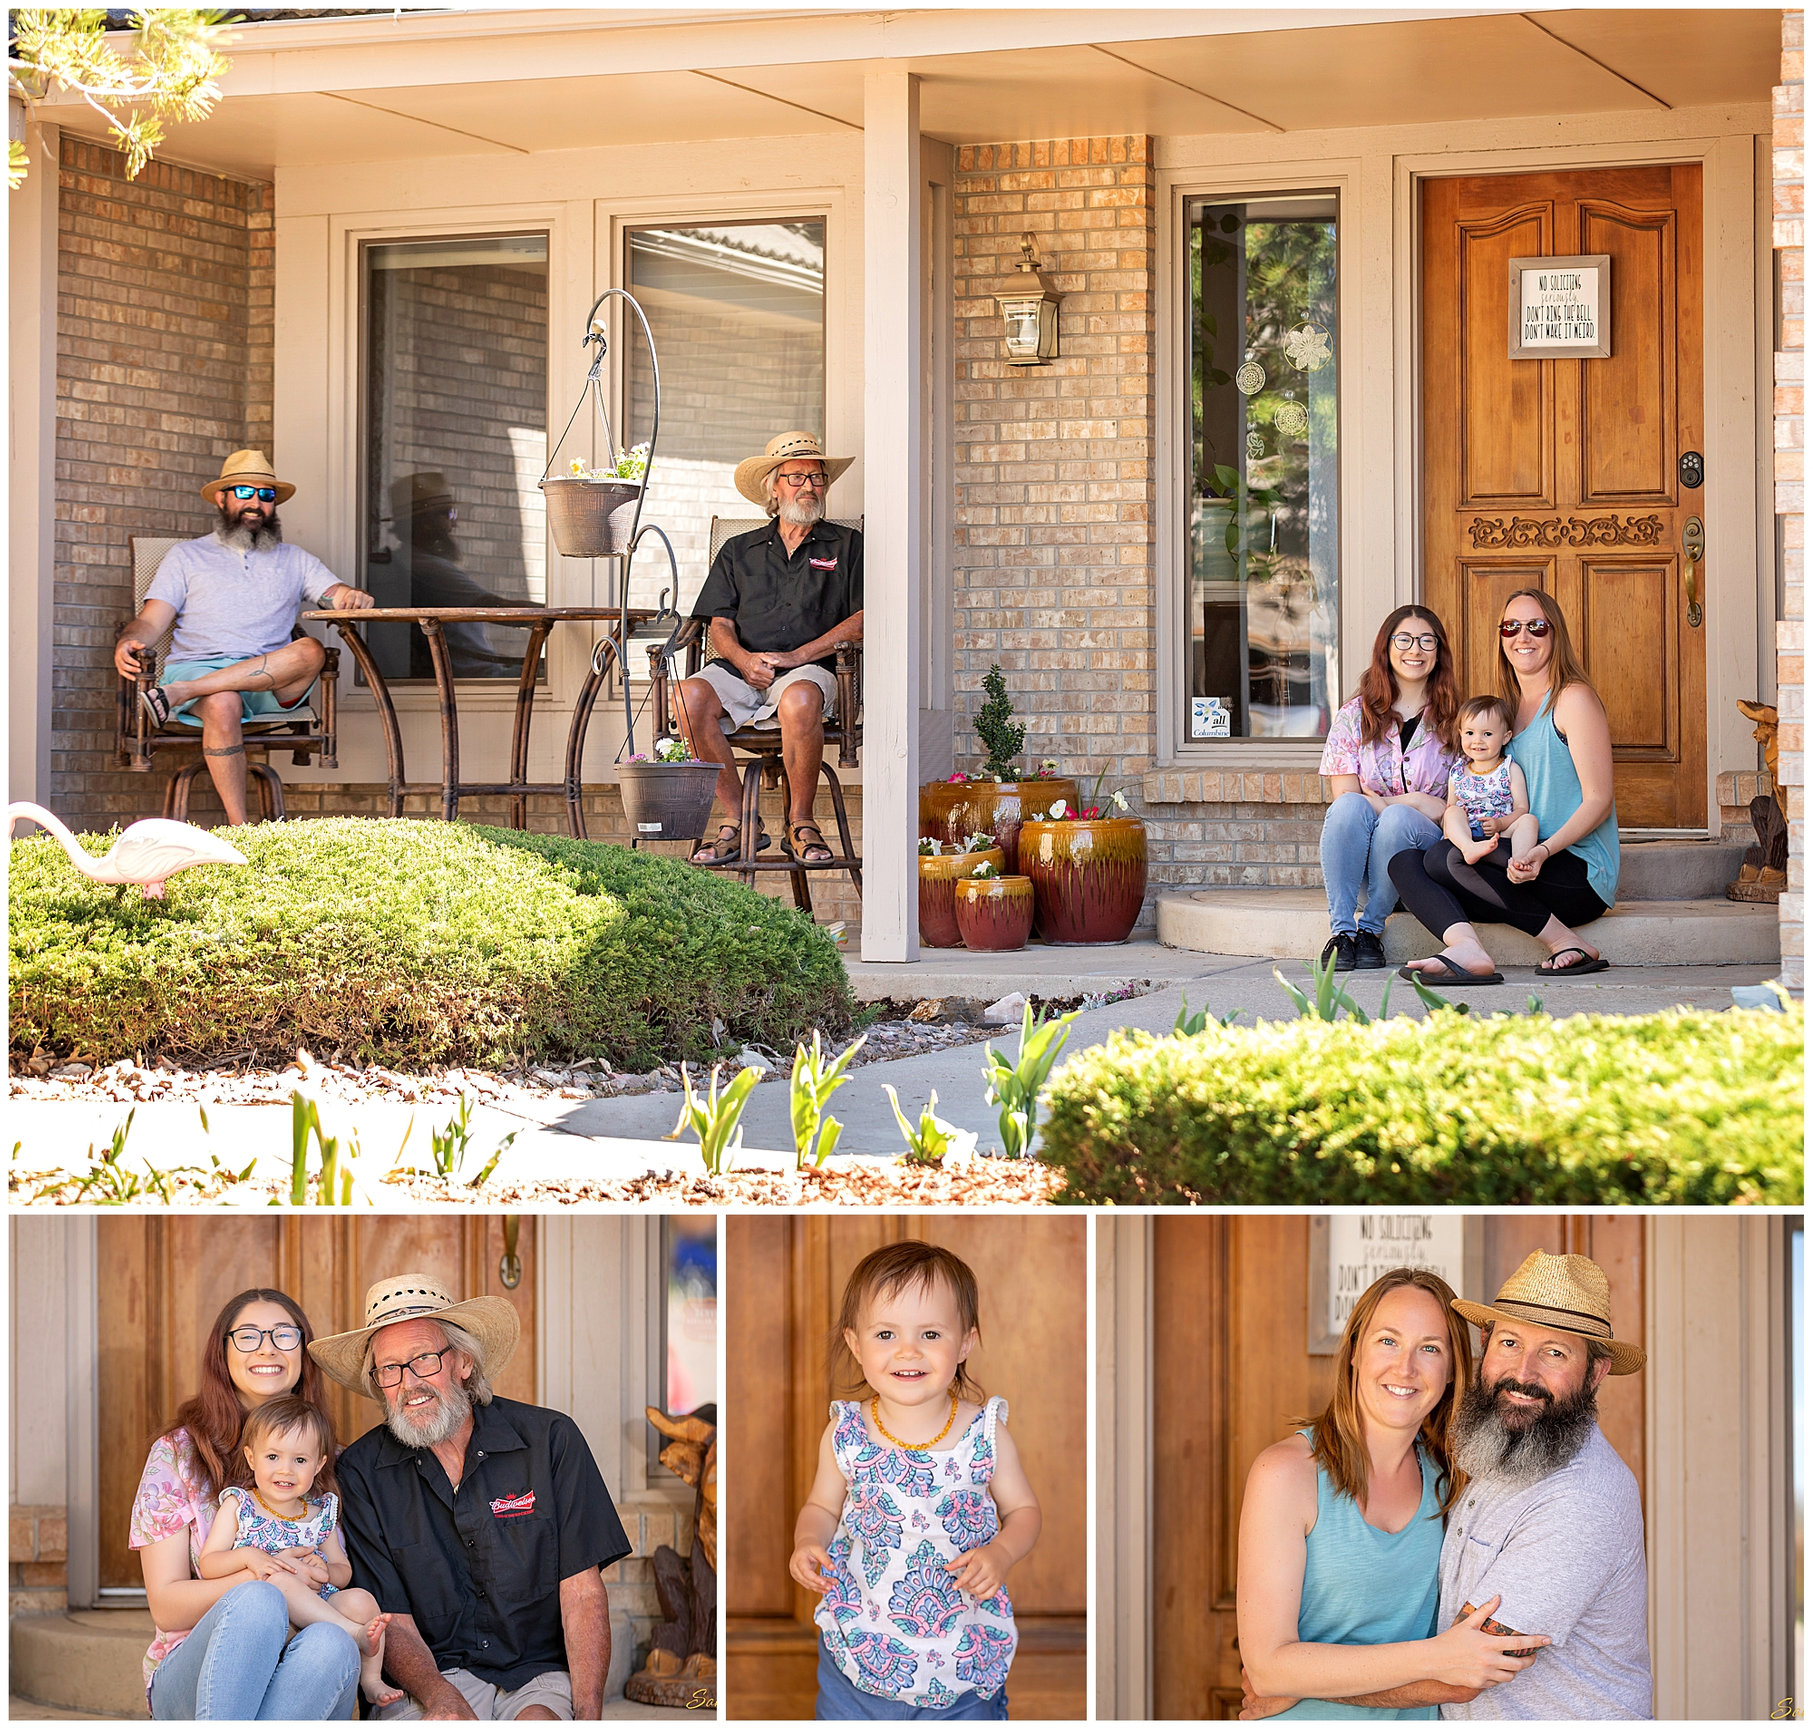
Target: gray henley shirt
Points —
{"points": [[232, 604]]}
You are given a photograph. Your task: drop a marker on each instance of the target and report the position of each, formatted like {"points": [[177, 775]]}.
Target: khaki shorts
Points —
{"points": [[745, 706], [551, 1689]]}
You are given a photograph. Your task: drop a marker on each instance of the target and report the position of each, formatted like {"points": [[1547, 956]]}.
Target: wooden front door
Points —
{"points": [[163, 1278], [1564, 475], [1230, 1310], [784, 1281]]}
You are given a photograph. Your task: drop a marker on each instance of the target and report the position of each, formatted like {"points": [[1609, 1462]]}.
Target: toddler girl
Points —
{"points": [[1487, 798], [276, 1531], [919, 1507]]}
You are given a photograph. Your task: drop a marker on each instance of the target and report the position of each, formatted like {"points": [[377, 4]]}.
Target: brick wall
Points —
{"points": [[164, 350], [37, 1559], [1790, 477], [631, 1582]]}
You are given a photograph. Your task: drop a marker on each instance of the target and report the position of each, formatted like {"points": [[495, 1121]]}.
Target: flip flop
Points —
{"points": [[1586, 963], [1453, 974], [157, 705]]}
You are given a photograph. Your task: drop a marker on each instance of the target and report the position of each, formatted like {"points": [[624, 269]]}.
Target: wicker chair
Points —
{"points": [[308, 730], [843, 731]]}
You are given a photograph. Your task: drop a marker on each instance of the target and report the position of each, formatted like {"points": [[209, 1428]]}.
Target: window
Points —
{"points": [[1262, 567], [455, 438], [738, 315], [690, 1312]]}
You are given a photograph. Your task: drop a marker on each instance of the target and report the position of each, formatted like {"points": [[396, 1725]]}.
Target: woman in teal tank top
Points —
{"points": [[1563, 745], [1341, 1528]]}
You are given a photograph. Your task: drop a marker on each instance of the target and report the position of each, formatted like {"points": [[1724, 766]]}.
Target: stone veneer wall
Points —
{"points": [[1790, 477], [165, 289]]}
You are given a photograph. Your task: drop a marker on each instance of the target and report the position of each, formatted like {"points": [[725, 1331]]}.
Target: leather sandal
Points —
{"points": [[811, 852], [727, 847]]}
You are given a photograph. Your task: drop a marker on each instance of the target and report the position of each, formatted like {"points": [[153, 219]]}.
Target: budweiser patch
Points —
{"points": [[514, 1507], [823, 564]]}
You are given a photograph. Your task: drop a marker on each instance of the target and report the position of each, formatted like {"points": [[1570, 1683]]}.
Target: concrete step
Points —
{"points": [[1294, 923], [84, 1661], [1677, 870]]}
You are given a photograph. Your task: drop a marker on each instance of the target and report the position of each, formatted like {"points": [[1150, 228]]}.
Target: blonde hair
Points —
{"points": [[891, 1269], [1337, 1437]]}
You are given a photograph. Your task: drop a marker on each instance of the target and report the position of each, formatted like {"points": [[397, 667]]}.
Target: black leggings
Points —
{"points": [[1442, 889]]}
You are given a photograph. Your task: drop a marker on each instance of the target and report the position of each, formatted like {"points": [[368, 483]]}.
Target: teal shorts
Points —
{"points": [[253, 705]]}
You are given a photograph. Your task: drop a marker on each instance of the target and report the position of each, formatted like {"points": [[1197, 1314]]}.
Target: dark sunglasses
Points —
{"points": [[1509, 628], [266, 495]]}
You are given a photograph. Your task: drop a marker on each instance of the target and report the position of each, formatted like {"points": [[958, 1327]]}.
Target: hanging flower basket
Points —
{"points": [[667, 801], [592, 518]]}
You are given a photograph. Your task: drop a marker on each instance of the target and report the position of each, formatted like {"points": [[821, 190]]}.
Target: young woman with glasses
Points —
{"points": [[225, 1650], [1563, 745], [1389, 753]]}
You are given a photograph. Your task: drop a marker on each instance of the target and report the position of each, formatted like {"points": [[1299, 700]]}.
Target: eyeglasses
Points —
{"points": [[248, 1338], [812, 480], [1404, 640], [422, 1367], [1536, 627], [265, 495]]}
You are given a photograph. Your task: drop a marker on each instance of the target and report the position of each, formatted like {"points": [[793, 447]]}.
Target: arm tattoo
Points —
{"points": [[1491, 1627], [223, 750]]}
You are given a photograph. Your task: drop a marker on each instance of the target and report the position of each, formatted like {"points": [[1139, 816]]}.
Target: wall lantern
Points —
{"points": [[1030, 310]]}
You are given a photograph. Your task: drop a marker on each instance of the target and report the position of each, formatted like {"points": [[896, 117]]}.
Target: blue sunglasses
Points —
{"points": [[267, 495]]}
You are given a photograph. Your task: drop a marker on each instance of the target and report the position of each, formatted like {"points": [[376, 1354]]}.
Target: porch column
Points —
{"points": [[892, 486]]}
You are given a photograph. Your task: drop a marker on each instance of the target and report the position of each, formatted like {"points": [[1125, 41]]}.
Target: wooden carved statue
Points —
{"points": [[1764, 873], [682, 1667]]}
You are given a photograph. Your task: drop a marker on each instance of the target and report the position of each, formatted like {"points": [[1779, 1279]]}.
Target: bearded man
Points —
{"points": [[232, 596], [777, 603], [480, 1522]]}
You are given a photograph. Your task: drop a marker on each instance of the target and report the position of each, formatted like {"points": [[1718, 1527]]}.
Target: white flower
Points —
{"points": [[1120, 800], [1057, 812]]}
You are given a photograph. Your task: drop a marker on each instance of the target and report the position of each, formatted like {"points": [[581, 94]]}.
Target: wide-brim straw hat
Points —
{"points": [[409, 1297], [1566, 1293], [784, 447], [248, 469]]}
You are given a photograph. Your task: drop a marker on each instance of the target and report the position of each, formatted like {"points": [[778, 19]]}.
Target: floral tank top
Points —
{"points": [[894, 1621], [259, 1529]]}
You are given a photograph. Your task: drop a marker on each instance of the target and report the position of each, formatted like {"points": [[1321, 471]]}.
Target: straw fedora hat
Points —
{"points": [[408, 1297], [1567, 1293], [247, 468], [784, 447]]}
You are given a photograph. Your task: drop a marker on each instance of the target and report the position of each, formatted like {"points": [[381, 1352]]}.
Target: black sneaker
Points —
{"points": [[1341, 946], [1369, 952]]}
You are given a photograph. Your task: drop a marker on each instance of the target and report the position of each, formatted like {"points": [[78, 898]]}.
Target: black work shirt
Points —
{"points": [[779, 601], [480, 1568]]}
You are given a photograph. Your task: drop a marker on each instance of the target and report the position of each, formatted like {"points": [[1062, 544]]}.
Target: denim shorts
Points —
{"points": [[841, 1701]]}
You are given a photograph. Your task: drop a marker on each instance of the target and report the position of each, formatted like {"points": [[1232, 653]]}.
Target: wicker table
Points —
{"points": [[539, 621]]}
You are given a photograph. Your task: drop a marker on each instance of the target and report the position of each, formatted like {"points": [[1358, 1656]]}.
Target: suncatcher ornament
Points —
{"points": [[1030, 310]]}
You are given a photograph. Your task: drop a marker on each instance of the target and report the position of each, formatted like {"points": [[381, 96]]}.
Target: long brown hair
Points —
{"points": [[1379, 685], [279, 1417], [1337, 1438], [888, 1270], [1565, 667], [214, 1416]]}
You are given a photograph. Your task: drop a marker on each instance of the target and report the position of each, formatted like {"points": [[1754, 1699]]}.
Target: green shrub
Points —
{"points": [[413, 943], [1684, 1106]]}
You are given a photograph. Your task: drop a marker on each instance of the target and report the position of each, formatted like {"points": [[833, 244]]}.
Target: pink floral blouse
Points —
{"points": [[172, 1495], [1385, 767]]}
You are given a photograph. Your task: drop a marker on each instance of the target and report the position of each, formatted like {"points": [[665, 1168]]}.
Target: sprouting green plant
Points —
{"points": [[1330, 998], [1189, 1025], [815, 1134], [451, 1145], [1016, 1086], [932, 1139], [717, 1120], [1001, 735], [1433, 1000], [332, 1185]]}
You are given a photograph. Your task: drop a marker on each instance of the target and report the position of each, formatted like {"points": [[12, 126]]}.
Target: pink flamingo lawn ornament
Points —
{"points": [[147, 853]]}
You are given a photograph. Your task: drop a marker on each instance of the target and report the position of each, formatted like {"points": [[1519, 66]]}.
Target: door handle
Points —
{"points": [[509, 1266], [1693, 544]]}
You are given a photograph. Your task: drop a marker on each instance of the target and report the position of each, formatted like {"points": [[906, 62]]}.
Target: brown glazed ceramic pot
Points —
{"points": [[952, 810], [938, 878], [1088, 878], [994, 912]]}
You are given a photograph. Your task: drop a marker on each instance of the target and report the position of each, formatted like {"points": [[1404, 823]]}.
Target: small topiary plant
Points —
{"points": [[413, 944], [1002, 737]]}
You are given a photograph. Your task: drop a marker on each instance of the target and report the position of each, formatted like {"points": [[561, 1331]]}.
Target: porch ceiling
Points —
{"points": [[488, 91]]}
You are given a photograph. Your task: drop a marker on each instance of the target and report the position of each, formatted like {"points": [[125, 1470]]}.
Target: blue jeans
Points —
{"points": [[240, 1662], [1358, 844], [841, 1701]]}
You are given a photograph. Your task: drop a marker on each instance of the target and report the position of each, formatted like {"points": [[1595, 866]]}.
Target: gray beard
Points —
{"points": [[449, 1413], [797, 514], [231, 532], [1483, 1445]]}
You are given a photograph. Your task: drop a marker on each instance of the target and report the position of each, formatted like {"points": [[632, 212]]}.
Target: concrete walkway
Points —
{"points": [[620, 1138]]}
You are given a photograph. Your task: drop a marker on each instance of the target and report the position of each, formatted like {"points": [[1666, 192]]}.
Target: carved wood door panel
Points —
{"points": [[785, 1279], [1230, 1315], [1564, 475], [163, 1278]]}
